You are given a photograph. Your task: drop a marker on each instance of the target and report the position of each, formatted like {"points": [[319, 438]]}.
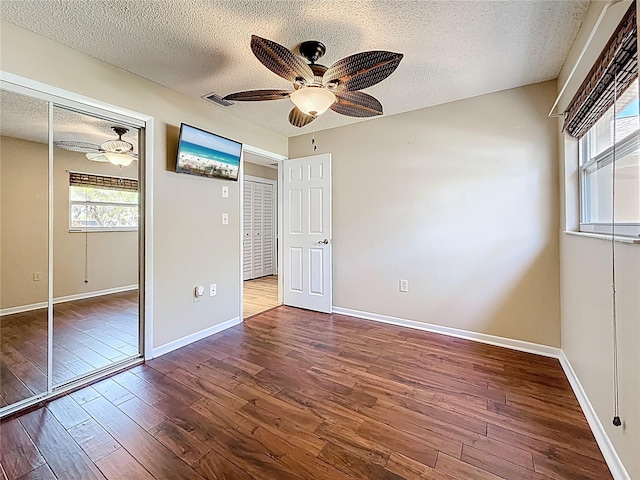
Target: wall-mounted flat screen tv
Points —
{"points": [[207, 154]]}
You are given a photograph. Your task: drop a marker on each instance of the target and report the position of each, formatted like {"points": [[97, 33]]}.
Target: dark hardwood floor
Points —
{"points": [[292, 394], [88, 334]]}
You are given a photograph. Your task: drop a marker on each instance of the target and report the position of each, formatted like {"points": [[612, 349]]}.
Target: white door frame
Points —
{"points": [[241, 176], [64, 98], [274, 207]]}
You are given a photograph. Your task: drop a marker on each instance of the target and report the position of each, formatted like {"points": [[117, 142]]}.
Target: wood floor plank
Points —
{"points": [[18, 454], [63, 455], [120, 465], [146, 416], [499, 466], [113, 391], [93, 439], [67, 411], [216, 467], [413, 470], [462, 470], [43, 472], [151, 454], [182, 443]]}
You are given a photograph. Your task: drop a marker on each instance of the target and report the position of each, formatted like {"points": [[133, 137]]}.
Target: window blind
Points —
{"points": [[78, 179], [612, 73]]}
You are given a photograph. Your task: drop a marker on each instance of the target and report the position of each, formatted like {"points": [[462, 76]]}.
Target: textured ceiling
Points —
{"points": [[452, 49], [27, 118]]}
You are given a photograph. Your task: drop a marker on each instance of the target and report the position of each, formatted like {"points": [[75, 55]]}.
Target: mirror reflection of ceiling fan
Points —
{"points": [[117, 151]]}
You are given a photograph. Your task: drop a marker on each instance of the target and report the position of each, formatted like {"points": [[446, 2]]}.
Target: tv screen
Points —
{"points": [[206, 154]]}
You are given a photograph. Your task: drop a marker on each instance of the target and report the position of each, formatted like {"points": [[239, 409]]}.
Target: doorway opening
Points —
{"points": [[260, 232]]}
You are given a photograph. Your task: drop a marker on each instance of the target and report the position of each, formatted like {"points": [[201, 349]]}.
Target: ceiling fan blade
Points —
{"points": [[299, 119], [257, 95], [74, 146], [361, 70], [280, 60], [356, 104]]}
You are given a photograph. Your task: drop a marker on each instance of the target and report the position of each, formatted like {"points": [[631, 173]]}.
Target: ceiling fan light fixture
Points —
{"points": [[117, 146], [119, 159], [313, 100]]}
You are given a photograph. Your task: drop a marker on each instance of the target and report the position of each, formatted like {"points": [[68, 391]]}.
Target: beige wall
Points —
{"points": [[459, 199], [585, 267], [260, 171], [112, 256], [191, 246], [24, 221]]}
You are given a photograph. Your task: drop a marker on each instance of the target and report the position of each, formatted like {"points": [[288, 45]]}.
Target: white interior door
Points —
{"points": [[307, 233]]}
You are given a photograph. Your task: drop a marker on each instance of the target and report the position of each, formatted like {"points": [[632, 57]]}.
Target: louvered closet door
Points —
{"points": [[259, 220], [247, 239], [267, 230], [258, 234]]}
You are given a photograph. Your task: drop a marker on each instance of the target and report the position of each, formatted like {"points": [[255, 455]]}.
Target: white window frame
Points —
{"points": [[73, 229], [622, 147]]}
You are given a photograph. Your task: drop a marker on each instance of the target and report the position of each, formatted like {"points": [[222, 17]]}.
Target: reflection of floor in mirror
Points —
{"points": [[88, 334], [260, 294]]}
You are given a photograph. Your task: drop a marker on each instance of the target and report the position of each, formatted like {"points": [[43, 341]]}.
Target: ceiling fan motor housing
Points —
{"points": [[312, 50], [119, 145]]}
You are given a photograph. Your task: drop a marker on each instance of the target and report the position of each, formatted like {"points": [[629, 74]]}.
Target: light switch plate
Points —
{"points": [[225, 219], [225, 191], [212, 290]]}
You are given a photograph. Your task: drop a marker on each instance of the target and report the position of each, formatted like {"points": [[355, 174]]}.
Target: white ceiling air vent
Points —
{"points": [[217, 99]]}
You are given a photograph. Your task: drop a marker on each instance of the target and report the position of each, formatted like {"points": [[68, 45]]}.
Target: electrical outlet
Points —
{"points": [[225, 191], [404, 285], [212, 290], [225, 219], [37, 276]]}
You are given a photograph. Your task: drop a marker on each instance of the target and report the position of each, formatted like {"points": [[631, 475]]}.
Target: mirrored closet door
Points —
{"points": [[95, 243], [70, 246], [24, 246]]}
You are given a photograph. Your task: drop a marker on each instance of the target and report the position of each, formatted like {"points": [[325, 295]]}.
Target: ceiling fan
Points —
{"points": [[318, 88], [117, 151]]}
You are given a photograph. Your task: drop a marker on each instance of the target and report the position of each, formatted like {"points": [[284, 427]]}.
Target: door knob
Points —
{"points": [[324, 242]]}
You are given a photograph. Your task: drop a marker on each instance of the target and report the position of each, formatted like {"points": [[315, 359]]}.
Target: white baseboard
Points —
{"points": [[194, 337], [519, 345], [98, 293], [606, 447], [23, 308], [66, 298]]}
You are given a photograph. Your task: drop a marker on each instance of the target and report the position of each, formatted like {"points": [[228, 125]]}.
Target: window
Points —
{"points": [[603, 115], [101, 203], [611, 135]]}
